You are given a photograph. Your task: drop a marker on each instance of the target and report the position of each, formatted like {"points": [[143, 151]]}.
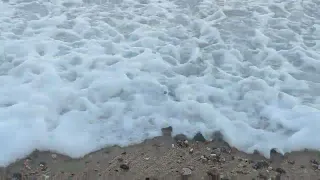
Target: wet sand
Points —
{"points": [[167, 158]]}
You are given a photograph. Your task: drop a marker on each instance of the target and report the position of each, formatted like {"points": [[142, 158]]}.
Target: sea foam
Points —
{"points": [[77, 76]]}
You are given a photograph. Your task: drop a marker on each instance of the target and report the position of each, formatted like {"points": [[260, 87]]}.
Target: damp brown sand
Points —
{"points": [[166, 158]]}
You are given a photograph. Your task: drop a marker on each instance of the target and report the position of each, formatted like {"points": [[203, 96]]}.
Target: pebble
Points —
{"points": [[191, 151], [43, 166], [217, 136], [316, 166], [167, 131], [186, 172], [199, 137], [260, 165], [54, 156], [270, 168], [217, 151], [263, 175], [186, 142], [291, 162], [180, 137], [313, 161], [204, 159], [280, 170], [213, 155], [214, 174], [124, 166], [17, 176]]}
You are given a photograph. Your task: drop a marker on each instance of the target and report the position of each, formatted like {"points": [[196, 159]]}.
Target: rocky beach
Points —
{"points": [[168, 157]]}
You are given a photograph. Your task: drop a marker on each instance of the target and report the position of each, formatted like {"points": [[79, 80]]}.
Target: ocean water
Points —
{"points": [[77, 76]]}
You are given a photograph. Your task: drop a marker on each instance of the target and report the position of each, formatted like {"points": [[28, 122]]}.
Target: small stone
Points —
{"points": [[182, 143], [315, 166], [270, 168], [278, 177], [256, 152], [214, 174], [222, 159], [54, 156], [302, 166], [167, 131], [43, 166], [180, 137], [172, 145], [191, 150], [260, 165], [199, 137], [186, 172], [242, 172], [291, 162], [147, 158], [313, 161], [217, 136], [186, 143], [16, 176], [263, 175], [217, 151], [124, 167], [208, 149], [120, 159], [213, 155], [204, 159], [280, 170]]}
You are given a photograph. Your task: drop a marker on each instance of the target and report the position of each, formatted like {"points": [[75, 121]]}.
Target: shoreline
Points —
{"points": [[167, 157]]}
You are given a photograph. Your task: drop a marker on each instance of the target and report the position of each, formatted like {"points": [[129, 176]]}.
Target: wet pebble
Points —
{"points": [[280, 170], [183, 144], [124, 167], [16, 176], [291, 162], [54, 156], [263, 175], [180, 137], [166, 131], [313, 161], [214, 174], [204, 159], [186, 171], [43, 166], [216, 151], [199, 137], [260, 165]]}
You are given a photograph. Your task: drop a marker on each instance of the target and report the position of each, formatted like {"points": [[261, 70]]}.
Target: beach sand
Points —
{"points": [[165, 157]]}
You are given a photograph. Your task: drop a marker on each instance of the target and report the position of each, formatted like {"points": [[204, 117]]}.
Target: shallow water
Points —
{"points": [[76, 76]]}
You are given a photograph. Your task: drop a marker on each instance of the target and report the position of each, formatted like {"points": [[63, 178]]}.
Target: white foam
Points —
{"points": [[77, 77]]}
